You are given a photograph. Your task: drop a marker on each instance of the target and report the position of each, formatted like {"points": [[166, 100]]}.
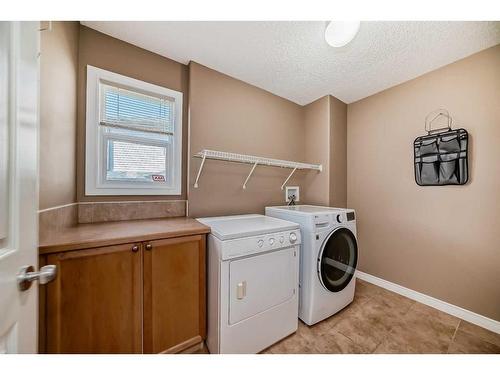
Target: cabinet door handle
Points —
{"points": [[135, 248], [149, 246]]}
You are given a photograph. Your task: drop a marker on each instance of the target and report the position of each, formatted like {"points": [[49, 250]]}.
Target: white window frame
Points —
{"points": [[95, 147]]}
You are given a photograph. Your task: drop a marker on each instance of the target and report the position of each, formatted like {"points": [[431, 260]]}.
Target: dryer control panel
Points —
{"points": [[259, 244]]}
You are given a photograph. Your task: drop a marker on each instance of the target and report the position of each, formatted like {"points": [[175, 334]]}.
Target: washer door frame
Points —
{"points": [[320, 257]]}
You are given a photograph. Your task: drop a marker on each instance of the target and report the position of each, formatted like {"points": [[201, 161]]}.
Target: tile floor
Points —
{"points": [[379, 321]]}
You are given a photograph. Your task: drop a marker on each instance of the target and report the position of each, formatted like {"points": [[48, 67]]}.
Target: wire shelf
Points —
{"points": [[251, 159]]}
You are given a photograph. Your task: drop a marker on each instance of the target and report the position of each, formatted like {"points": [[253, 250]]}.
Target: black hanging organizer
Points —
{"points": [[441, 155]]}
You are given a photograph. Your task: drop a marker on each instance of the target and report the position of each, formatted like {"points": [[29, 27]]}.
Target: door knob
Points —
{"points": [[149, 246], [27, 275]]}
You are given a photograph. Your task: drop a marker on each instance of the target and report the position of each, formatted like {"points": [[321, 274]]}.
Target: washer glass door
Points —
{"points": [[338, 259]]}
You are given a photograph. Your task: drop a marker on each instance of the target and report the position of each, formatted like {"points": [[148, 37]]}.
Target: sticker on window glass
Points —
{"points": [[158, 177]]}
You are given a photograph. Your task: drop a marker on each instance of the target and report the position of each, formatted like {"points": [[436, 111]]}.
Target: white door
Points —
{"points": [[261, 282], [19, 46]]}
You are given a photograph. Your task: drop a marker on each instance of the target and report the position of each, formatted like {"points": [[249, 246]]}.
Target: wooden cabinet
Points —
{"points": [[174, 294], [145, 297], [94, 304]]}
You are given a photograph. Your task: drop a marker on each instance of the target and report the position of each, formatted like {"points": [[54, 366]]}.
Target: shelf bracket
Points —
{"points": [[289, 176], [249, 175], [199, 171]]}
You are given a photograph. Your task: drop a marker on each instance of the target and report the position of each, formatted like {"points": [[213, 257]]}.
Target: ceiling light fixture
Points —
{"points": [[340, 33]]}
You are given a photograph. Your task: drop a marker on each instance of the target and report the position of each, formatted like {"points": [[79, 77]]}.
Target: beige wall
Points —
{"points": [[441, 241], [229, 115], [317, 151], [242, 119], [58, 81], [338, 153], [108, 53], [325, 143]]}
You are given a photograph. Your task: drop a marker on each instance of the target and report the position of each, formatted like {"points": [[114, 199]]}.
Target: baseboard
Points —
{"points": [[183, 345], [459, 312]]}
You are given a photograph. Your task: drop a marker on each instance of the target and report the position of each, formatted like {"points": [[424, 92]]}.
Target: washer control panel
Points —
{"points": [[258, 244], [327, 221]]}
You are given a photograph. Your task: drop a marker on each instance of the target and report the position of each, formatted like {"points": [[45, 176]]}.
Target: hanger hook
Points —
{"points": [[440, 112]]}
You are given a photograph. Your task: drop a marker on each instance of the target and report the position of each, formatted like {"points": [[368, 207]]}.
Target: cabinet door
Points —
{"points": [[174, 294], [94, 304]]}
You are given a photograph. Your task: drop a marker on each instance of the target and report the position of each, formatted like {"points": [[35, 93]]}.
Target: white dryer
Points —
{"points": [[328, 259], [253, 278]]}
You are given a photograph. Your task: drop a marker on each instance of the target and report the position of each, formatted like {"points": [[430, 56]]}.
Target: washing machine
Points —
{"points": [[328, 258], [253, 278]]}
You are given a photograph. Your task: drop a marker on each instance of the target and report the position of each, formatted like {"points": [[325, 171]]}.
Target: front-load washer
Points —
{"points": [[253, 272], [328, 258]]}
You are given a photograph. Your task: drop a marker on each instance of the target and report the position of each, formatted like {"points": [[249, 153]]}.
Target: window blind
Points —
{"points": [[126, 109]]}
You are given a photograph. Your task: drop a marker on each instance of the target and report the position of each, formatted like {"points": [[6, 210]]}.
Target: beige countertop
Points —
{"points": [[84, 236]]}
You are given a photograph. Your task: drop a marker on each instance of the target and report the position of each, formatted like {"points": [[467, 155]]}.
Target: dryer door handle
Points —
{"points": [[241, 289]]}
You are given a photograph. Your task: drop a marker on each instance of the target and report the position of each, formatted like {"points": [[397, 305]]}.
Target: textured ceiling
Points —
{"points": [[292, 59]]}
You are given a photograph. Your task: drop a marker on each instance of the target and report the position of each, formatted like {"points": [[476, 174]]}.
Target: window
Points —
{"points": [[133, 134]]}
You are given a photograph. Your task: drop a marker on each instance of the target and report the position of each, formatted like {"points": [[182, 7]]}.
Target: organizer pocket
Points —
{"points": [[428, 146], [429, 170], [449, 144], [448, 172], [462, 170], [448, 169]]}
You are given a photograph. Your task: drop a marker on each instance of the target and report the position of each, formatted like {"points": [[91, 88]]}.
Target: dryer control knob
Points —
{"points": [[260, 243], [293, 237], [339, 218], [282, 239]]}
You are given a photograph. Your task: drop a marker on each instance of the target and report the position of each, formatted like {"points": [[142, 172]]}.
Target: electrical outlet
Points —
{"points": [[292, 190]]}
